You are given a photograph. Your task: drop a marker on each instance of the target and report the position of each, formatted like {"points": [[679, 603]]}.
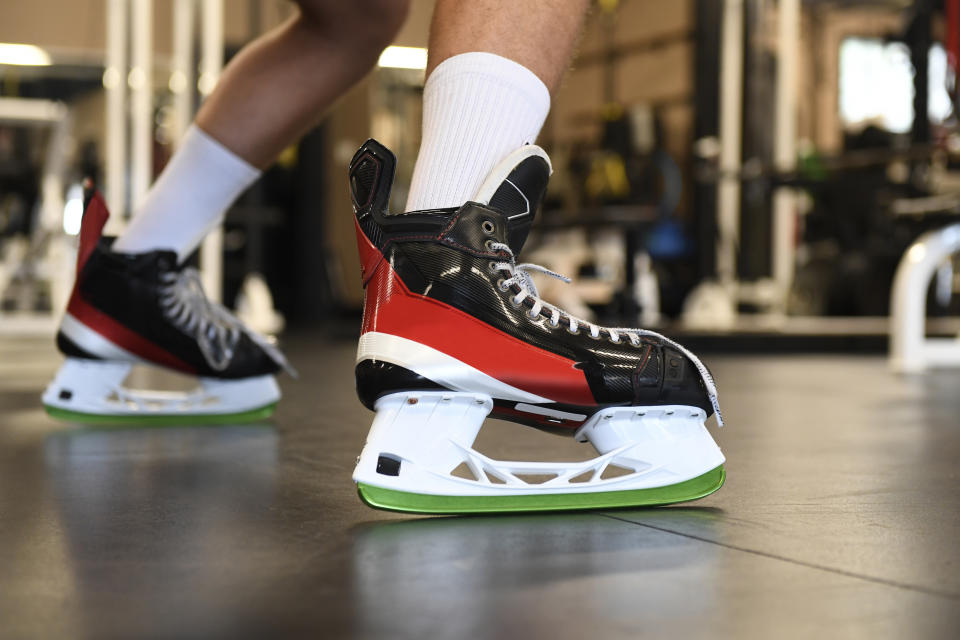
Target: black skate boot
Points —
{"points": [[145, 308], [454, 330]]}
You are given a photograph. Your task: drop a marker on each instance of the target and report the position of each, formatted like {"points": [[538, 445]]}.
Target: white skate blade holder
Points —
{"points": [[419, 438], [94, 390]]}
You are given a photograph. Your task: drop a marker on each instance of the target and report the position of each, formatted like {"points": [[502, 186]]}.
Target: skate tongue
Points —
{"points": [[515, 188], [94, 218]]}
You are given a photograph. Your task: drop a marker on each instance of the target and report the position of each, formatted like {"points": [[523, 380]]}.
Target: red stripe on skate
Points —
{"points": [[91, 228], [123, 337], [390, 307]]}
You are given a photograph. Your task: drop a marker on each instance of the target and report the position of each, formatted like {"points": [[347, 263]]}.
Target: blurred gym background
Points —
{"points": [[746, 174], [776, 180]]}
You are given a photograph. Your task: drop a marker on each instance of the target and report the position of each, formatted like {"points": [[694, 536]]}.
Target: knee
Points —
{"points": [[366, 23]]}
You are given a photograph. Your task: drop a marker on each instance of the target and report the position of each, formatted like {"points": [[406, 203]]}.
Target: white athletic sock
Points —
{"points": [[190, 197], [477, 108]]}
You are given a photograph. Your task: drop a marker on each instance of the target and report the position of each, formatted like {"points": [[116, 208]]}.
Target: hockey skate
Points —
{"points": [[144, 308], [454, 331]]}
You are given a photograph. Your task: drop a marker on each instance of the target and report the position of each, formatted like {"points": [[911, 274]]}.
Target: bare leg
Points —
{"points": [[280, 85], [538, 34], [269, 95]]}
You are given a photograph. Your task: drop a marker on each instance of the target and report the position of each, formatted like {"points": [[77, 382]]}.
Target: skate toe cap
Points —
{"points": [[682, 382], [256, 357]]}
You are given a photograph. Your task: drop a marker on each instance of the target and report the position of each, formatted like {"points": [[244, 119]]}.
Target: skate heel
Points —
{"points": [[663, 444], [418, 439], [416, 435], [94, 391], [79, 381]]}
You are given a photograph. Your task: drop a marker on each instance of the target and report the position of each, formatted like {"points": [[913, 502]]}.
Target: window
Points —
{"points": [[876, 83]]}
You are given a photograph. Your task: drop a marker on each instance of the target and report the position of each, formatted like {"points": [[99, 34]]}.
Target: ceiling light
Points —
{"points": [[73, 210], [403, 58], [24, 55]]}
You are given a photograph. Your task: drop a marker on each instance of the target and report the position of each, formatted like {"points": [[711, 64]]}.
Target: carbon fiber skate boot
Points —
{"points": [[144, 308], [454, 331]]}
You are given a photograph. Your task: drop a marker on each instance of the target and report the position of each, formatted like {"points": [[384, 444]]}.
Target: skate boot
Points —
{"points": [[454, 331], [144, 308]]}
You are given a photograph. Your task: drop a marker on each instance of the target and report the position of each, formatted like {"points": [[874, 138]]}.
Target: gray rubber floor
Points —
{"points": [[840, 519]]}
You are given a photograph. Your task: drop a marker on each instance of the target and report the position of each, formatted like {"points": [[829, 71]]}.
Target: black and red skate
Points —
{"points": [[144, 308], [454, 330]]}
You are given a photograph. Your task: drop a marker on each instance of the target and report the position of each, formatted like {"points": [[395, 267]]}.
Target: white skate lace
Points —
{"points": [[520, 276], [216, 330]]}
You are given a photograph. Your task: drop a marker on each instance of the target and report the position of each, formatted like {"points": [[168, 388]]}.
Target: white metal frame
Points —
{"points": [[182, 73], [130, 26], [55, 263], [115, 85], [140, 79], [910, 350], [714, 304], [731, 118], [211, 64], [785, 146]]}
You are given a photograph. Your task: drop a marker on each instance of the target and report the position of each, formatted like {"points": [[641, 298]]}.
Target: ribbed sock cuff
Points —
{"points": [[477, 108]]}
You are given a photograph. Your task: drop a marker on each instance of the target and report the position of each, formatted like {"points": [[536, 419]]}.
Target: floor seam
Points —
{"points": [[809, 565]]}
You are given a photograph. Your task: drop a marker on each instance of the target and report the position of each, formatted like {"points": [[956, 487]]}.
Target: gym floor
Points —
{"points": [[840, 518]]}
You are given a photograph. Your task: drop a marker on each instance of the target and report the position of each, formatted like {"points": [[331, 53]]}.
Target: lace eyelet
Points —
{"points": [[551, 325], [514, 303], [592, 337], [488, 227], [501, 286], [573, 332], [492, 266], [533, 316]]}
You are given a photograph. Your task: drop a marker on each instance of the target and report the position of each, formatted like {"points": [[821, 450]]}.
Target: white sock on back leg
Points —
{"points": [[190, 197], [477, 108]]}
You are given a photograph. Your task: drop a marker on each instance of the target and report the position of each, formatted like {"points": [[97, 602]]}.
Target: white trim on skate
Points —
{"points": [[431, 433], [438, 366], [500, 172], [94, 343], [95, 387]]}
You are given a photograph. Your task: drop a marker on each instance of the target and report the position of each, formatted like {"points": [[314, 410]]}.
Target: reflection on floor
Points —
{"points": [[840, 517]]}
